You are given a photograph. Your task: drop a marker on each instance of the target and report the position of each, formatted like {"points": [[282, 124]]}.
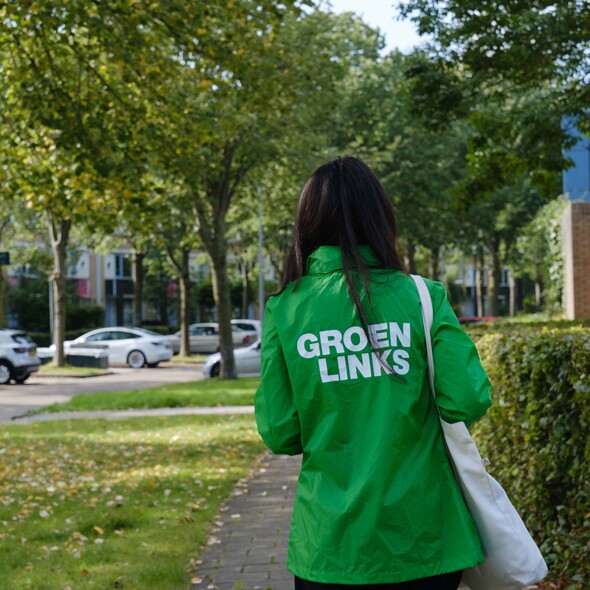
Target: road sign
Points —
{"points": [[4, 258]]}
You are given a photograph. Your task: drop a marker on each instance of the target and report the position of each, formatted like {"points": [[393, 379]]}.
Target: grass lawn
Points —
{"points": [[194, 359], [210, 392], [125, 504], [51, 369]]}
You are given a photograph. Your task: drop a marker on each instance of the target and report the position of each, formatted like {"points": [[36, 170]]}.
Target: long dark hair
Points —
{"points": [[343, 204]]}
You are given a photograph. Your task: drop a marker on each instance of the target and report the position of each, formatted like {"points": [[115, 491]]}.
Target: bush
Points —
{"points": [[44, 338], [536, 435], [86, 317], [516, 324], [41, 338]]}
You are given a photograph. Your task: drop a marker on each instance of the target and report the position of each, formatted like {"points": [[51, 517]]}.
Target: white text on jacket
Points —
{"points": [[387, 335]]}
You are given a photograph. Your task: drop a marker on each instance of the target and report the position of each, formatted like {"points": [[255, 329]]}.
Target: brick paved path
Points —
{"points": [[247, 549]]}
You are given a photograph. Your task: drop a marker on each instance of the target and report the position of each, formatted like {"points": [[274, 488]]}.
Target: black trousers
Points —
{"points": [[443, 582]]}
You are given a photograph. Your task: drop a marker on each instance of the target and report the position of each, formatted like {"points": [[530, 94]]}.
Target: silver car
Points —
{"points": [[204, 337], [135, 347], [247, 362]]}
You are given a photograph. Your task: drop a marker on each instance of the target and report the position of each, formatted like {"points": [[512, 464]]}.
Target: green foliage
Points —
{"points": [[538, 252], [536, 435], [29, 300], [206, 299], [530, 42], [85, 317], [205, 294]]}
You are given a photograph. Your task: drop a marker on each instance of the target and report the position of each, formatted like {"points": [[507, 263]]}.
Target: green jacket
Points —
{"points": [[376, 500]]}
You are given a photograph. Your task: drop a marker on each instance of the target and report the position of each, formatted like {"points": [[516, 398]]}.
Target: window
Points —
{"points": [[22, 339], [505, 279], [122, 266], [99, 337], [121, 335]]}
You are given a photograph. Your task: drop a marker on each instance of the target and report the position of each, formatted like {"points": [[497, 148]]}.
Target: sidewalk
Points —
{"points": [[248, 546]]}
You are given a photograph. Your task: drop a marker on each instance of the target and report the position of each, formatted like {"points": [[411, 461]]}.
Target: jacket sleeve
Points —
{"points": [[461, 383], [276, 417]]}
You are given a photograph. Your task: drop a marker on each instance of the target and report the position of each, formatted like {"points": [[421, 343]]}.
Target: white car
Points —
{"points": [[18, 356], [247, 362], [135, 347], [205, 338]]}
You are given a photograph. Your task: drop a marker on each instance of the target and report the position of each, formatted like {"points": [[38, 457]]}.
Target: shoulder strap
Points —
{"points": [[427, 314]]}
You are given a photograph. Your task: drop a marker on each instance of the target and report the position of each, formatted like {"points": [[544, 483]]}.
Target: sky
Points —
{"points": [[382, 14]]}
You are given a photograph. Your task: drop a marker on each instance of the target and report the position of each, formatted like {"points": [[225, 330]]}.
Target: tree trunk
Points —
{"points": [[245, 285], [513, 294], [494, 275], [181, 267], [221, 292], [410, 260], [479, 283], [184, 285], [538, 293], [59, 232], [137, 273], [210, 213], [433, 265]]}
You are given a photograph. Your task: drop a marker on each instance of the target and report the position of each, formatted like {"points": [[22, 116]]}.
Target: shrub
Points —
{"points": [[536, 435], [85, 317]]}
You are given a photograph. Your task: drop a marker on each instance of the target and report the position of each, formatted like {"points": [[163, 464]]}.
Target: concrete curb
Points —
{"points": [[124, 414]]}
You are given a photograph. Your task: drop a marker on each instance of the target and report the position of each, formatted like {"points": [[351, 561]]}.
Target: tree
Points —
{"points": [[529, 42], [537, 254], [239, 126], [418, 164], [63, 132], [49, 181]]}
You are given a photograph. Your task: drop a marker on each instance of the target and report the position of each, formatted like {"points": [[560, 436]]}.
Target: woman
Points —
{"points": [[344, 381]]}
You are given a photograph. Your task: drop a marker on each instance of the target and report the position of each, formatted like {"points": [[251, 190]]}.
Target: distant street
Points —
{"points": [[39, 391]]}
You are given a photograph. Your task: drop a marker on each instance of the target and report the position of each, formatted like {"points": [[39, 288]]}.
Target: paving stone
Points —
{"points": [[251, 550]]}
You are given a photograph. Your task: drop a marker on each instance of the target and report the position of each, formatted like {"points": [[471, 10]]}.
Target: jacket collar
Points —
{"points": [[328, 259]]}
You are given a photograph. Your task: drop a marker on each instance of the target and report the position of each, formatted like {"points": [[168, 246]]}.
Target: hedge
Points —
{"points": [[44, 338], [536, 436]]}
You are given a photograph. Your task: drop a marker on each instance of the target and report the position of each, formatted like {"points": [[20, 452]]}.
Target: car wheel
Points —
{"points": [[215, 369], [136, 359], [5, 373], [20, 380]]}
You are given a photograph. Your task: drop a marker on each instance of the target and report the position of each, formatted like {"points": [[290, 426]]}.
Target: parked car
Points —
{"points": [[18, 356], [135, 347], [250, 326], [204, 337], [247, 362]]}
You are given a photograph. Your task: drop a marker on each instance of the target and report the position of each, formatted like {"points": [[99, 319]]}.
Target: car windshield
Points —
{"points": [[22, 338]]}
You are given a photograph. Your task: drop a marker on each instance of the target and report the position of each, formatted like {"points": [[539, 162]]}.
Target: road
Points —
{"points": [[39, 391]]}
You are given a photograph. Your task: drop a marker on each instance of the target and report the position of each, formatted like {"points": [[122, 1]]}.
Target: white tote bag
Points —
{"points": [[512, 559]]}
